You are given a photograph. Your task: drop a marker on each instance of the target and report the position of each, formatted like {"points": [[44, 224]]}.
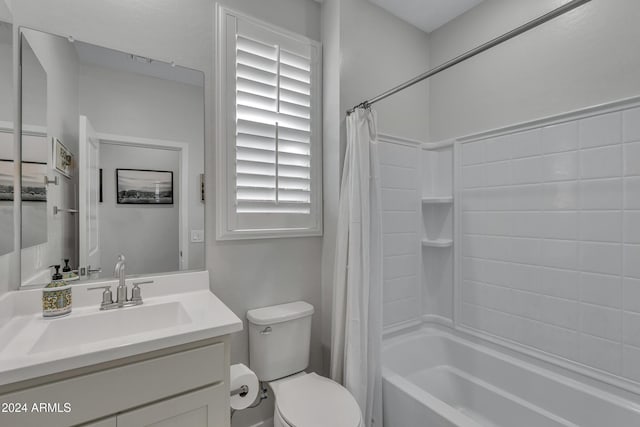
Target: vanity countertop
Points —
{"points": [[178, 309]]}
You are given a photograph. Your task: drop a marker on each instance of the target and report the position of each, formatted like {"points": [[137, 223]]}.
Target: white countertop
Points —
{"points": [[198, 314]]}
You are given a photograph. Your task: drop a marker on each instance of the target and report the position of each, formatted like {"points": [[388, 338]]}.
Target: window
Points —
{"points": [[268, 131]]}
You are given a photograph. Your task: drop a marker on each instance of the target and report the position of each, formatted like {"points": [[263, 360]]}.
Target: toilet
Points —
{"points": [[279, 339]]}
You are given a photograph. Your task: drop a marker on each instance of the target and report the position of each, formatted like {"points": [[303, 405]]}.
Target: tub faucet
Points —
{"points": [[119, 273]]}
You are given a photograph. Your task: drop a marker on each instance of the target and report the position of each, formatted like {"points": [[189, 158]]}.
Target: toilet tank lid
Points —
{"points": [[279, 313]]}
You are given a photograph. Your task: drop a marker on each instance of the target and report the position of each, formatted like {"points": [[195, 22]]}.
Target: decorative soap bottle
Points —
{"points": [[68, 274], [56, 296]]}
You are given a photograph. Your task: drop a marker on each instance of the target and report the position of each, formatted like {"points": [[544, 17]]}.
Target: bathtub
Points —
{"points": [[436, 378]]}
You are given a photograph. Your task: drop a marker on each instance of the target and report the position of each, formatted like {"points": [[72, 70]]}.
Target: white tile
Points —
{"points": [[631, 294], [631, 230], [401, 288], [400, 266], [525, 277], [601, 194], [526, 197], [397, 177], [632, 261], [560, 167], [559, 225], [632, 193], [527, 170], [497, 149], [631, 125], [400, 244], [632, 159], [499, 199], [601, 258], [600, 321], [474, 199], [558, 283], [491, 321], [399, 222], [556, 311], [631, 362], [604, 162], [400, 311], [602, 354], [474, 176], [473, 153], [498, 173], [525, 144], [560, 196], [631, 328], [526, 224], [601, 226], [490, 296], [471, 268], [400, 200], [399, 155], [496, 248], [560, 137], [525, 251], [600, 130], [601, 289], [499, 223], [559, 253], [545, 337]]}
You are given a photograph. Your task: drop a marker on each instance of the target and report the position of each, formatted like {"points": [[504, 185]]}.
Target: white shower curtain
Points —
{"points": [[357, 292]]}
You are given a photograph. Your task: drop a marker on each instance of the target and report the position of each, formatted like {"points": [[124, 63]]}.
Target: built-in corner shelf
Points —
{"points": [[437, 243], [437, 200]]}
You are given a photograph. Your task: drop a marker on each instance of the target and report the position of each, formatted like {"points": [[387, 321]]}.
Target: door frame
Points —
{"points": [[182, 148]]}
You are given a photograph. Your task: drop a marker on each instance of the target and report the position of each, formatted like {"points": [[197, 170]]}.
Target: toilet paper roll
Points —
{"points": [[241, 375]]}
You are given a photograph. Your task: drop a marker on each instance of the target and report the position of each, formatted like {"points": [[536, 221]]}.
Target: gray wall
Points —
{"points": [[146, 235], [584, 58]]}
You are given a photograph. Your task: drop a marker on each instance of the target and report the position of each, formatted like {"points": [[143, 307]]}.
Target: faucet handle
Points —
{"points": [[136, 296], [107, 295]]}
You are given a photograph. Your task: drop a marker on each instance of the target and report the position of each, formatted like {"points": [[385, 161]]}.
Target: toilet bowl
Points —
{"points": [[309, 400], [279, 342]]}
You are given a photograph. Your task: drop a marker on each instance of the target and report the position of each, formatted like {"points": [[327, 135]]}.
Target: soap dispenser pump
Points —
{"points": [[56, 296]]}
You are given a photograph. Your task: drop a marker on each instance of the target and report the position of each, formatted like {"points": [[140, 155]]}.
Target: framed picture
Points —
{"points": [[62, 158], [6, 180], [33, 187], [144, 187], [202, 187]]}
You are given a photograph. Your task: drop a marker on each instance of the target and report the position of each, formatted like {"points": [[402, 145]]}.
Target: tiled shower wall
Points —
{"points": [[400, 170], [550, 231]]}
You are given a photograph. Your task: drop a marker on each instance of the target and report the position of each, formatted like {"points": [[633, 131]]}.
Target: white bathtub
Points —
{"points": [[436, 378]]}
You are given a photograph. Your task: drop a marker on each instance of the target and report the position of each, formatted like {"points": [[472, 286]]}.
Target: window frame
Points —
{"points": [[231, 225]]}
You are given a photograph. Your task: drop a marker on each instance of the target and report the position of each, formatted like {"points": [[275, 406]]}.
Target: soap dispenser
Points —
{"points": [[67, 273], [56, 296]]}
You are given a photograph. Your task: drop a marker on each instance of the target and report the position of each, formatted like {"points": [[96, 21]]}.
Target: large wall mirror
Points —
{"points": [[6, 143], [112, 161]]}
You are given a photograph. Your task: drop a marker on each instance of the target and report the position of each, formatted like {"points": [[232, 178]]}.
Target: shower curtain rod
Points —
{"points": [[473, 52]]}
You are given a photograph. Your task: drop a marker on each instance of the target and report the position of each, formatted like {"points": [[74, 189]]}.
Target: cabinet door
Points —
{"points": [[207, 407], [107, 422]]}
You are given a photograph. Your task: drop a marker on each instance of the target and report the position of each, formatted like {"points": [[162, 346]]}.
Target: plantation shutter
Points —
{"points": [[273, 129], [269, 131]]}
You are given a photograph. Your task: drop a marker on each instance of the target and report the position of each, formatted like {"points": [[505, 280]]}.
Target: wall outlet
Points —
{"points": [[197, 236]]}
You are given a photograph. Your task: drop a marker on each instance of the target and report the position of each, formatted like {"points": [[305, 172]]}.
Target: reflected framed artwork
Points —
{"points": [[144, 187]]}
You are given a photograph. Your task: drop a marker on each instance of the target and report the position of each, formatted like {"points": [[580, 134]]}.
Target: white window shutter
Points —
{"points": [[272, 154]]}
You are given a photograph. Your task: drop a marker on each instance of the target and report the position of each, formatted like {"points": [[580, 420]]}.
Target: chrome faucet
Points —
{"points": [[122, 299], [119, 273]]}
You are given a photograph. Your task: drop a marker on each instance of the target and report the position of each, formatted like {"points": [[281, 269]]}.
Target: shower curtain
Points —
{"points": [[357, 292]]}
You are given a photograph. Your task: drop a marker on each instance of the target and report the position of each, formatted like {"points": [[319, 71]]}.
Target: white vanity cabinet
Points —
{"points": [[185, 386]]}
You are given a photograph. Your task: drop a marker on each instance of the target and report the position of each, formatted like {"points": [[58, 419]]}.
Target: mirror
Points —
{"points": [[6, 141], [117, 164]]}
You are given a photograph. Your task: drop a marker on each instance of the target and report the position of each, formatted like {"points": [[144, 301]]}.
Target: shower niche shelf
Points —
{"points": [[437, 238]]}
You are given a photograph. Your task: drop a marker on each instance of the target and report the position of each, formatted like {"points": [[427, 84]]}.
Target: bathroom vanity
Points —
{"points": [[165, 362]]}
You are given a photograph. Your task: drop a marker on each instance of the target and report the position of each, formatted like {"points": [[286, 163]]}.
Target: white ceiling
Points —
{"points": [[427, 14]]}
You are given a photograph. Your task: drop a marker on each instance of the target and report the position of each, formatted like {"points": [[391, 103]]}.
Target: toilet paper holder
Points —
{"points": [[243, 390]]}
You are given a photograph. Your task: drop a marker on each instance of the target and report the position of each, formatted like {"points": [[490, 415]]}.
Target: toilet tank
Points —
{"points": [[279, 339]]}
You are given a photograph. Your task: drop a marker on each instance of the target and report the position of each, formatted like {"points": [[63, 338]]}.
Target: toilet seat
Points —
{"points": [[314, 401]]}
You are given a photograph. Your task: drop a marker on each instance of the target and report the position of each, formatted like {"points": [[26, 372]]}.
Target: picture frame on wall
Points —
{"points": [[33, 186], [202, 187], [62, 158], [144, 187]]}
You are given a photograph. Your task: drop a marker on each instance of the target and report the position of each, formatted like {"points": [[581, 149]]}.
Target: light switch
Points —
{"points": [[197, 236]]}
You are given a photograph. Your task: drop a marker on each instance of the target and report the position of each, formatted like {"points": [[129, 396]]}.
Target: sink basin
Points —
{"points": [[104, 325]]}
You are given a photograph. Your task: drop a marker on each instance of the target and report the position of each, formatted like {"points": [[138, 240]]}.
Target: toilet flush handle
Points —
{"points": [[266, 331]]}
